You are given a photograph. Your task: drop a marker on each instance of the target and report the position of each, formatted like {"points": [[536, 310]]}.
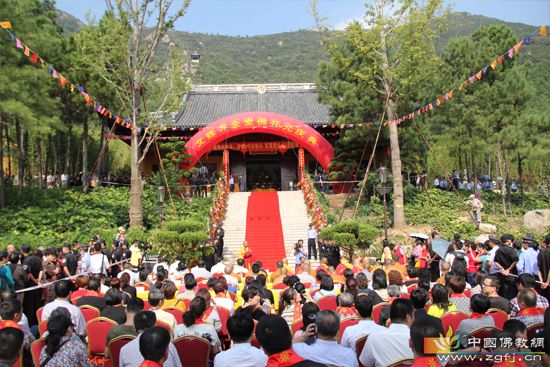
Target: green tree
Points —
{"points": [[128, 38], [398, 58]]}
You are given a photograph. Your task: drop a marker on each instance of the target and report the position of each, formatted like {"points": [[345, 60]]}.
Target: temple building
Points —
{"points": [[262, 134]]}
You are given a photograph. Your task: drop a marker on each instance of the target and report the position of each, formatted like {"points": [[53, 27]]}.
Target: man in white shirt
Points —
{"points": [[363, 305], [130, 356], [99, 263], [305, 276], [230, 279], [62, 291], [242, 354], [240, 269], [156, 300], [326, 349], [200, 271], [221, 298], [494, 244], [311, 242], [392, 344], [218, 268]]}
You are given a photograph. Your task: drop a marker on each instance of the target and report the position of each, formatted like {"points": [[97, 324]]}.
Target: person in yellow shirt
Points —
{"points": [[169, 289], [440, 302], [135, 258]]}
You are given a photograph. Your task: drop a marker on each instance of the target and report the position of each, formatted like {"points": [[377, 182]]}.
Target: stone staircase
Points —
{"points": [[234, 225], [295, 221]]}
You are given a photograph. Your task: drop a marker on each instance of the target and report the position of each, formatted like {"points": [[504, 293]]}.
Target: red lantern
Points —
{"points": [[282, 148], [243, 148]]}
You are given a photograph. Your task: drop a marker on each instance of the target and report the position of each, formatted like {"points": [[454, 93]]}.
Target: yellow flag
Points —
{"points": [[5, 25], [543, 31], [494, 64]]}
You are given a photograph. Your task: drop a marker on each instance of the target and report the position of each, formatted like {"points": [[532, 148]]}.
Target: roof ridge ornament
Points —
{"points": [[261, 88]]}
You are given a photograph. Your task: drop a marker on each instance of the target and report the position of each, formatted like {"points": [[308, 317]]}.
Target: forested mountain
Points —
{"points": [[294, 56]]}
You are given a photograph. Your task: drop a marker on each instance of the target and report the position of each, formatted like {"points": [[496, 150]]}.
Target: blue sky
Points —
{"points": [[253, 17]]}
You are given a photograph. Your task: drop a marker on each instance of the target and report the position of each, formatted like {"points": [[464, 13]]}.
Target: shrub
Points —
{"points": [[351, 235]]}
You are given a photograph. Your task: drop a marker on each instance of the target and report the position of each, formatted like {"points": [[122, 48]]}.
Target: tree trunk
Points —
{"points": [[506, 177], [67, 169], [85, 151], [520, 174], [136, 185], [397, 177], [47, 160], [1, 166], [467, 163], [460, 164], [20, 156], [41, 181], [8, 150], [101, 165]]}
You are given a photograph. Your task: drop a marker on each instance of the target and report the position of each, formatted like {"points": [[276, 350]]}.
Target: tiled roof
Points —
{"points": [[205, 104]]}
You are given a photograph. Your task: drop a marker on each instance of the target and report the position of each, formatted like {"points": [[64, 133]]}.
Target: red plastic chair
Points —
{"points": [[297, 325], [280, 286], [224, 316], [39, 314], [344, 323], [376, 311], [483, 333], [452, 320], [19, 362], [146, 287], [115, 345], [327, 303], [217, 275], [146, 305], [36, 348], [97, 330], [359, 345], [307, 285], [89, 312], [499, 316], [42, 327], [402, 363], [176, 312], [411, 288], [200, 351]]}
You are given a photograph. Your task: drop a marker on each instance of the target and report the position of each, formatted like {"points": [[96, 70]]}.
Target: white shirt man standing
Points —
{"points": [[242, 354], [385, 347], [99, 263]]}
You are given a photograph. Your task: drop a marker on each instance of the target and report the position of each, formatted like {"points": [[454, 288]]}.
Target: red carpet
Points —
{"points": [[264, 231]]}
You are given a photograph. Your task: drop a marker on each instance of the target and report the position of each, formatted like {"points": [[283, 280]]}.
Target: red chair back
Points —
{"points": [[297, 325], [89, 312], [200, 347], [411, 288], [467, 293], [146, 287], [280, 286], [36, 348], [19, 362], [484, 333], [376, 311], [97, 330], [42, 327], [115, 345], [451, 320], [187, 303], [499, 316], [176, 312], [307, 285], [312, 293], [224, 316], [359, 344], [532, 330], [327, 303], [344, 323], [39, 314], [146, 305]]}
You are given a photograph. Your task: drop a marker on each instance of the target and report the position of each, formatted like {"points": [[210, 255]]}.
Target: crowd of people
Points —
{"points": [[346, 313]]}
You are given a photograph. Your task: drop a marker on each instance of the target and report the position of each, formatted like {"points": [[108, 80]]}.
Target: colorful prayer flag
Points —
{"points": [[494, 64], [500, 59], [12, 36], [472, 79], [479, 73], [62, 81], [543, 31], [485, 69], [5, 25], [517, 46], [511, 53], [27, 51], [55, 74], [18, 43], [34, 58]]}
